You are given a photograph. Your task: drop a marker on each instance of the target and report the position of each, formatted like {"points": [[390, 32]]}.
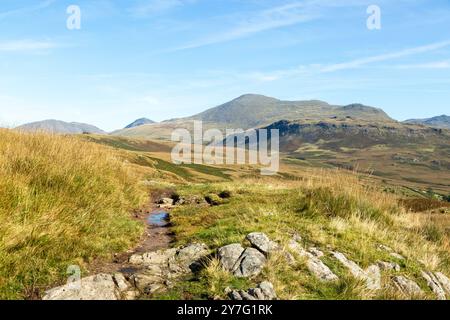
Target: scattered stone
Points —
{"points": [[316, 252], [165, 203], [249, 264], [388, 266], [97, 287], [372, 276], [264, 291], [408, 287], [397, 256], [262, 242], [229, 255], [313, 263], [434, 284]]}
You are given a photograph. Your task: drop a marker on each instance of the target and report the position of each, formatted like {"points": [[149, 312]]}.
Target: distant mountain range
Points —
{"points": [[57, 126], [245, 112], [438, 122], [251, 111]]}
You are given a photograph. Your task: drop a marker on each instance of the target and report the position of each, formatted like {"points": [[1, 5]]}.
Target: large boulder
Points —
{"points": [[97, 287], [229, 255], [262, 242], [249, 264]]}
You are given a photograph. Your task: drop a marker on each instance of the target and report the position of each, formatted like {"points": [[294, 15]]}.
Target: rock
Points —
{"points": [[249, 264], [372, 276], [268, 290], [97, 287], [408, 287], [388, 266], [121, 283], [262, 242], [444, 281], [316, 252], [397, 256], [130, 295], [147, 283], [264, 291], [246, 296], [229, 255], [313, 263], [166, 203], [190, 257], [434, 284]]}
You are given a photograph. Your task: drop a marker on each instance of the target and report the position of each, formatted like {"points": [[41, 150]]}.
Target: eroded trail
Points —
{"points": [[157, 236]]}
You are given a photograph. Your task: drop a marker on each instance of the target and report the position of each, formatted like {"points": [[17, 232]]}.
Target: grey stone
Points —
{"points": [[316, 252], [262, 242], [313, 263], [250, 263], [121, 283], [444, 281], [190, 256], [372, 276], [229, 255], [388, 266], [97, 287], [434, 284], [408, 287], [268, 290]]}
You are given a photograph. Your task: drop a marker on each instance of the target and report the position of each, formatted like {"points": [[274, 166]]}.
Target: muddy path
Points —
{"points": [[157, 236]]}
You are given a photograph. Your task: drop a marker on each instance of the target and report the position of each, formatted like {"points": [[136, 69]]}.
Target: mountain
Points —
{"points": [[438, 122], [251, 110], [57, 126], [139, 122]]}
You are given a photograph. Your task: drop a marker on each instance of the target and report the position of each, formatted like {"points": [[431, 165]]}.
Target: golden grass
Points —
{"points": [[62, 201]]}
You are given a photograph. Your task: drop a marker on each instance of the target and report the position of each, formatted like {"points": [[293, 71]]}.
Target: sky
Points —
{"points": [[164, 59]]}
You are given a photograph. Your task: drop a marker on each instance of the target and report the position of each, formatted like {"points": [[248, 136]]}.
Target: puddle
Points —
{"points": [[158, 219]]}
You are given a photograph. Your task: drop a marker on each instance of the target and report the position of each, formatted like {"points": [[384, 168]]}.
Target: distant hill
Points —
{"points": [[251, 110], [57, 126], [438, 122], [139, 122]]}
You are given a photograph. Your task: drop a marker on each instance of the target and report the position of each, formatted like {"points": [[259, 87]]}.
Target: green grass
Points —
{"points": [[351, 220]]}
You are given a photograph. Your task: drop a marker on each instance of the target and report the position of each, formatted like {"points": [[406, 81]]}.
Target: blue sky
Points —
{"points": [[163, 59]]}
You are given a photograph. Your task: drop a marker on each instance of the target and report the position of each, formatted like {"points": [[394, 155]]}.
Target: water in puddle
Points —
{"points": [[158, 218]]}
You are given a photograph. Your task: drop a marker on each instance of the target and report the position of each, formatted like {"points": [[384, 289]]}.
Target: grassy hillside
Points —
{"points": [[62, 201], [330, 210]]}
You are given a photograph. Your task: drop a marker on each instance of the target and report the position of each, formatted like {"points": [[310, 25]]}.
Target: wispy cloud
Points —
{"points": [[273, 18], [428, 65], [147, 8], [39, 6], [26, 46], [385, 57], [280, 16], [358, 63]]}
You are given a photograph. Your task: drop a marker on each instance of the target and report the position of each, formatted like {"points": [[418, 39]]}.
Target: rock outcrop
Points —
{"points": [[372, 275], [264, 291]]}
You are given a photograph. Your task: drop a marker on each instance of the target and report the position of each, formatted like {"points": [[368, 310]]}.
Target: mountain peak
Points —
{"points": [[58, 126], [139, 122]]}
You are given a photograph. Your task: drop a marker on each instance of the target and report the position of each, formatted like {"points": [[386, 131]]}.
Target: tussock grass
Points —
{"points": [[62, 201]]}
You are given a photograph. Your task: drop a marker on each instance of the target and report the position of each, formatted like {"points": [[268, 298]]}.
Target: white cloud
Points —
{"points": [[428, 65], [385, 57], [26, 46]]}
